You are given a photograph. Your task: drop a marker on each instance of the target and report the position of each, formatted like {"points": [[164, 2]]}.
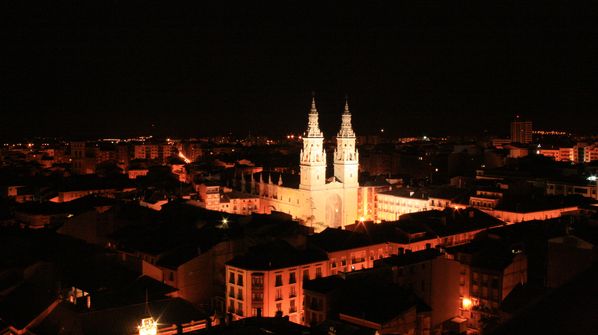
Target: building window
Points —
{"points": [[231, 306], [279, 307], [292, 292], [278, 294], [231, 278], [240, 280], [292, 308], [292, 278], [240, 294], [240, 308], [318, 272], [278, 280], [257, 296], [305, 274], [257, 281]]}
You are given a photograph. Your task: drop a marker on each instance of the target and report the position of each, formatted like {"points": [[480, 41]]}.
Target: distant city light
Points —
{"points": [[592, 178], [361, 219], [184, 158]]}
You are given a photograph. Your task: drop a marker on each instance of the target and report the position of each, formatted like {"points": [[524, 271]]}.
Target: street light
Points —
{"points": [[148, 326], [595, 180], [467, 303]]}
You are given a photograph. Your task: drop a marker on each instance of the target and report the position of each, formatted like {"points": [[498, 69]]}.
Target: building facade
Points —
{"points": [[318, 201], [521, 131]]}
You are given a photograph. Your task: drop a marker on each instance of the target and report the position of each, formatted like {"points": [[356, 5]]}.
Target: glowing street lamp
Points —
{"points": [[467, 303], [223, 223], [148, 326], [594, 178]]}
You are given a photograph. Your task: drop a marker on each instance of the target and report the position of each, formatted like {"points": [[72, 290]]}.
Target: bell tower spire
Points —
{"points": [[313, 155], [313, 128], [346, 127], [346, 156]]}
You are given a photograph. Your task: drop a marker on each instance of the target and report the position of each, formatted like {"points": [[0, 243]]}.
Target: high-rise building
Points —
{"points": [[521, 131]]}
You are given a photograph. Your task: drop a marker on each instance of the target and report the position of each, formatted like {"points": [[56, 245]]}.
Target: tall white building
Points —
{"points": [[318, 201]]}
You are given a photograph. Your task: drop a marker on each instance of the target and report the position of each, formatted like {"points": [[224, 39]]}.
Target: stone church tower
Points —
{"points": [[313, 155], [346, 156], [346, 166], [317, 201]]}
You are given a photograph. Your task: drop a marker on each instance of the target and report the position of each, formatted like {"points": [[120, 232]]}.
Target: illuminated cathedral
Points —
{"points": [[317, 201]]}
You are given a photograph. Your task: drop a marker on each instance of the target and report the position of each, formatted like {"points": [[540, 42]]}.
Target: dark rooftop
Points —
{"points": [[258, 326], [534, 203], [426, 225], [487, 253], [276, 255], [120, 320], [334, 239], [443, 192], [324, 284], [571, 309], [93, 182], [76, 206], [378, 302], [24, 304], [409, 258], [341, 328]]}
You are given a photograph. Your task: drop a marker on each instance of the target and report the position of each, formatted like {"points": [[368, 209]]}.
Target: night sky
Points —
{"points": [[426, 67]]}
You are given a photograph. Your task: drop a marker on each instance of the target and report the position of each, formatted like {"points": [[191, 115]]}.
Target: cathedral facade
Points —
{"points": [[317, 201]]}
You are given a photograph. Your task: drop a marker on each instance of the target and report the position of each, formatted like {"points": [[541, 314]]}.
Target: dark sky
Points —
{"points": [[426, 67]]}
